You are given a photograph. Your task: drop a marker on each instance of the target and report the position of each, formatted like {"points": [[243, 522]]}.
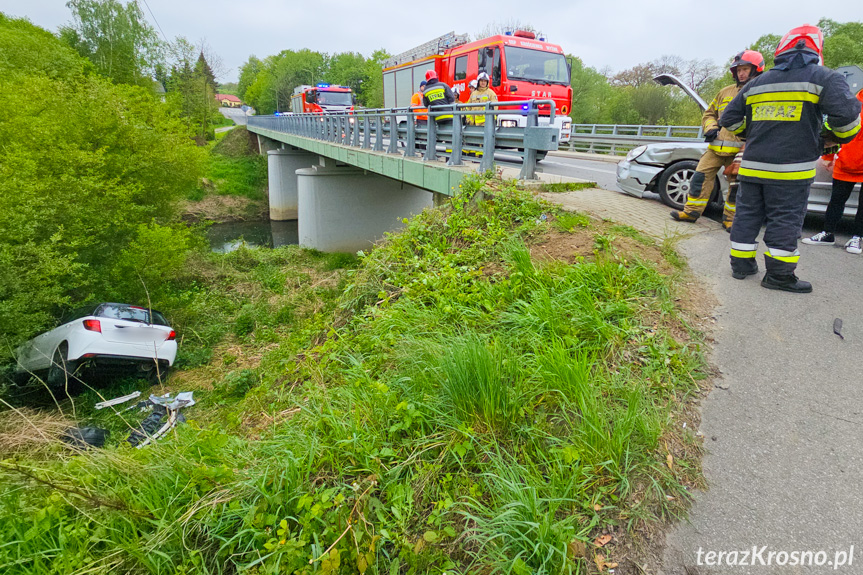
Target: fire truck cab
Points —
{"points": [[322, 99], [521, 67]]}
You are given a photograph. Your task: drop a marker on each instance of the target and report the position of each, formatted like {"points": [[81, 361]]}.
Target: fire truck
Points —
{"points": [[322, 99], [521, 67]]}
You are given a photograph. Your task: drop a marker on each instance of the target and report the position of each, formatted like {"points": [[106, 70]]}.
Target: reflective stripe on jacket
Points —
{"points": [[437, 95], [480, 97], [780, 115], [726, 143]]}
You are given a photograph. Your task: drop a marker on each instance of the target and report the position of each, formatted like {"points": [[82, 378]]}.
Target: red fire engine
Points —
{"points": [[521, 67], [322, 99]]}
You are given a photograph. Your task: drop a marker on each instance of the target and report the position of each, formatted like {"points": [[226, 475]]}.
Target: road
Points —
{"points": [[235, 114], [783, 424]]}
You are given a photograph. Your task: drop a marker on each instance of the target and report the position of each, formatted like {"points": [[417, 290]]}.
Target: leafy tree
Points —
{"points": [[115, 37], [248, 74], [843, 43], [767, 44], [83, 163], [590, 90]]}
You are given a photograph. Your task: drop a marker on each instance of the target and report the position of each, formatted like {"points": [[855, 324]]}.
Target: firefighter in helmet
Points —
{"points": [[781, 116], [481, 95], [436, 96], [722, 146]]}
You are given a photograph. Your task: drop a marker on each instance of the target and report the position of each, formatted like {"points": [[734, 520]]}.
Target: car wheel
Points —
{"points": [[675, 183], [62, 371], [154, 376]]}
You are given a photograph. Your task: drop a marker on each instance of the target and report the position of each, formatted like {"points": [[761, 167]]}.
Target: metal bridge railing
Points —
{"points": [[614, 138], [395, 131]]}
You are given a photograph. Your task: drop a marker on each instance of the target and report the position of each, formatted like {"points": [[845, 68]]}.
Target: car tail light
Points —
{"points": [[92, 325], [172, 335]]}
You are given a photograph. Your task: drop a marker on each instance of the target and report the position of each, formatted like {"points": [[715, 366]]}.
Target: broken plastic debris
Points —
{"points": [[117, 400]]}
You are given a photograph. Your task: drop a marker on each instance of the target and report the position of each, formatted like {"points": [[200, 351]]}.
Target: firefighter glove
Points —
{"points": [[711, 135]]}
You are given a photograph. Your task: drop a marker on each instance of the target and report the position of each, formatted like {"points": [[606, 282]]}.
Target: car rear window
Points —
{"points": [[131, 313]]}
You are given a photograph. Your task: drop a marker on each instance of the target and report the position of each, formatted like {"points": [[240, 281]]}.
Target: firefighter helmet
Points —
{"points": [[806, 37], [482, 76], [431, 74], [472, 84], [751, 57]]}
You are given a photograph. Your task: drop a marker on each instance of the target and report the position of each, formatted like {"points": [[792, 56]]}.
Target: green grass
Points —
{"points": [[442, 403], [561, 187]]}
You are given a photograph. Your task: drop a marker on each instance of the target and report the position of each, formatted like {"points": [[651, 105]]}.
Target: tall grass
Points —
{"points": [[460, 408]]}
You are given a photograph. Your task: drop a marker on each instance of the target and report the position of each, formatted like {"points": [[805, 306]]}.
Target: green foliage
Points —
{"points": [[155, 257], [84, 163], [843, 43], [457, 406], [25, 48], [267, 85], [116, 38]]}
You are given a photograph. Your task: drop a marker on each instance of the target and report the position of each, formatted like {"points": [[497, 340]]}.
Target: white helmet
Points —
{"points": [[472, 84], [482, 76]]}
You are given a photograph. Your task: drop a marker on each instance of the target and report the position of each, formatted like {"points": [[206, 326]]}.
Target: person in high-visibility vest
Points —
{"points": [[437, 95], [417, 105], [847, 169], [722, 145], [481, 95], [781, 116]]}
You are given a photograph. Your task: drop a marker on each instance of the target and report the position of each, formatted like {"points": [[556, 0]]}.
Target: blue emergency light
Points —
{"points": [[323, 85]]}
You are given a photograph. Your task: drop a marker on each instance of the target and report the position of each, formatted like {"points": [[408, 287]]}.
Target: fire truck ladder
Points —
{"points": [[430, 48]]}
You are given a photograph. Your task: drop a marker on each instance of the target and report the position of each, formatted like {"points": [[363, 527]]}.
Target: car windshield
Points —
{"points": [[130, 313], [536, 66], [334, 98]]}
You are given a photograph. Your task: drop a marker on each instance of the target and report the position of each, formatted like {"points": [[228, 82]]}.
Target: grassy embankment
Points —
{"points": [[234, 183], [487, 391]]}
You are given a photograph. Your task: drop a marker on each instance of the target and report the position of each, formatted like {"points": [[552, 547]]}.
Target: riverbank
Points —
{"points": [[502, 385]]}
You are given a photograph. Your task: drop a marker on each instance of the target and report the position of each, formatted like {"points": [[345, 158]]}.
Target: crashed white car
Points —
{"points": [[109, 337], [667, 168]]}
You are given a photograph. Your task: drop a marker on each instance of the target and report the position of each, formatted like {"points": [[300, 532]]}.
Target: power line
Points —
{"points": [[156, 21]]}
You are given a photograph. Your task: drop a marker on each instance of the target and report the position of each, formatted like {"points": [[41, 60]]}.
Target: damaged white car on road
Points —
{"points": [[667, 168]]}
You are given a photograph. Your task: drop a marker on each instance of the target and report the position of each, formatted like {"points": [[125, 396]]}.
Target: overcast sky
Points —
{"points": [[603, 33]]}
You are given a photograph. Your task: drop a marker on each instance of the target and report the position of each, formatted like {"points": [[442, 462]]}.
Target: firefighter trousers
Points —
{"points": [[782, 207], [702, 186]]}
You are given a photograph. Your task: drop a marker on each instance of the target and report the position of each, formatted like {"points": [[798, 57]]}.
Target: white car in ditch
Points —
{"points": [[667, 168], [106, 338]]}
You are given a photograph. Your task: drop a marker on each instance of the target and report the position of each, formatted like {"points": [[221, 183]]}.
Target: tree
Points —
{"points": [[843, 43], [116, 158], [116, 38], [503, 26]]}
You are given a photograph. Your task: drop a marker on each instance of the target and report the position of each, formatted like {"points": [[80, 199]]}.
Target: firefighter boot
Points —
{"points": [[741, 268], [788, 283], [684, 217]]}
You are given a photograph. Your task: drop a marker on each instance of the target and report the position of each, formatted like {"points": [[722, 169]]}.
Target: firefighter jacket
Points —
{"points": [[849, 160], [416, 104], [780, 115], [436, 95], [726, 143], [479, 96]]}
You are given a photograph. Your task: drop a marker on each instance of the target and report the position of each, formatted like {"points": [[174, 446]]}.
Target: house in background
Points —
{"points": [[229, 100]]}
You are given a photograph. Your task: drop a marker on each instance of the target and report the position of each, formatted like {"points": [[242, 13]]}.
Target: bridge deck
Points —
{"points": [[433, 176]]}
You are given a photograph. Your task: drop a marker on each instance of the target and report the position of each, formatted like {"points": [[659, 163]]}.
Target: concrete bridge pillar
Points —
{"points": [[282, 166], [344, 209]]}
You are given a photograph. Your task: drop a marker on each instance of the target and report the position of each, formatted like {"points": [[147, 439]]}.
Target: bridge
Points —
{"points": [[349, 177]]}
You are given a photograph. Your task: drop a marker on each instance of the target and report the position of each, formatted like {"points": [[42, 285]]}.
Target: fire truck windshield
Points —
{"points": [[536, 66], [334, 98]]}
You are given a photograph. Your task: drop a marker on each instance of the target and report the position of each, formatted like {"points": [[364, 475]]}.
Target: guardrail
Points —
{"points": [[612, 138], [397, 131]]}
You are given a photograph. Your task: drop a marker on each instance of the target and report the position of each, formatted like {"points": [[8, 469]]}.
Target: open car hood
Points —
{"points": [[672, 80]]}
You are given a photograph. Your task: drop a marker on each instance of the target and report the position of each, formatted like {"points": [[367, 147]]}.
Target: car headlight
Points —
{"points": [[566, 126], [635, 152], [508, 124]]}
